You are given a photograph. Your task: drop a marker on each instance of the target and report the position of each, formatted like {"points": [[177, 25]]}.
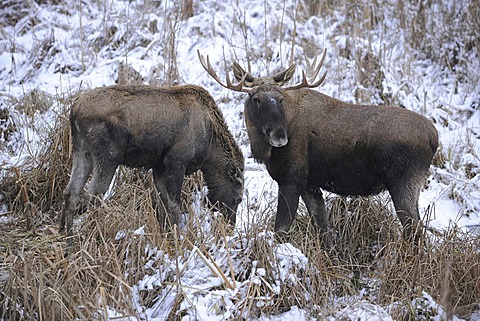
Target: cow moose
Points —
{"points": [[174, 131], [310, 141]]}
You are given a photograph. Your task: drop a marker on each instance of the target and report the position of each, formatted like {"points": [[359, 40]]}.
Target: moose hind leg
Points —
{"points": [[405, 199], [103, 172], [81, 169]]}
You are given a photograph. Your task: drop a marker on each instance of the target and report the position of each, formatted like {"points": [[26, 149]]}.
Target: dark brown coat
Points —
{"points": [[173, 130], [310, 141]]}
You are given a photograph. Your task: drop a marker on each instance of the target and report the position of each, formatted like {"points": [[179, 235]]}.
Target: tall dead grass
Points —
{"points": [[35, 187]]}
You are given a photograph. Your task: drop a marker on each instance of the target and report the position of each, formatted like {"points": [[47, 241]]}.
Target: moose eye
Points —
{"points": [[256, 102]]}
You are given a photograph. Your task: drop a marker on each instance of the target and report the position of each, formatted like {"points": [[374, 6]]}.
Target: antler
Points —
{"points": [[311, 69], [208, 68]]}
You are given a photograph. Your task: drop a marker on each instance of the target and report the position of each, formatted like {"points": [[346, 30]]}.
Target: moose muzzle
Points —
{"points": [[277, 137]]}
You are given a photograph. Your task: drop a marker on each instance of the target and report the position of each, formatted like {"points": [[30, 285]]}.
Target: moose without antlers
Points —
{"points": [[175, 131], [310, 141]]}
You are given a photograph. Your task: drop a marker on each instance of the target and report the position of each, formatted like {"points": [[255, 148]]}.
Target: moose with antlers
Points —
{"points": [[310, 141]]}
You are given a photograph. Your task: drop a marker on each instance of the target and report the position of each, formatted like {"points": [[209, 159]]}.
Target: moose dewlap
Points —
{"points": [[174, 131], [310, 141]]}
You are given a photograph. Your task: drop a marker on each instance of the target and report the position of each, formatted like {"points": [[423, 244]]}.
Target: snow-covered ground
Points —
{"points": [[61, 49]]}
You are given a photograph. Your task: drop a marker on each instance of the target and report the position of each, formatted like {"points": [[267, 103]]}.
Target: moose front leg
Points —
{"points": [[288, 196], [315, 204], [168, 183]]}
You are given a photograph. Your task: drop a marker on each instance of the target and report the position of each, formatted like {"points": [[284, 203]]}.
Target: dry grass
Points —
{"points": [[448, 269], [35, 188]]}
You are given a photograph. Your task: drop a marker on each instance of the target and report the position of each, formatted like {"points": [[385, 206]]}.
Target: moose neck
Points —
{"points": [[259, 145], [224, 156], [215, 167]]}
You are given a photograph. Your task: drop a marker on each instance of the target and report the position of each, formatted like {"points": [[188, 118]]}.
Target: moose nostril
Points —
{"points": [[279, 134]]}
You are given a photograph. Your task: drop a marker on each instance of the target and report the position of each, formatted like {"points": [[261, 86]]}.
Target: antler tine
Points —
{"points": [[209, 69], [308, 84], [319, 66], [239, 85], [310, 71]]}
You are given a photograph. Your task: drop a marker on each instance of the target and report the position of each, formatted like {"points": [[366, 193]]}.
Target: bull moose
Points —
{"points": [[310, 141], [175, 131]]}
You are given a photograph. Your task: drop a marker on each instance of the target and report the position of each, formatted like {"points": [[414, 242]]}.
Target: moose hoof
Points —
{"points": [[331, 239]]}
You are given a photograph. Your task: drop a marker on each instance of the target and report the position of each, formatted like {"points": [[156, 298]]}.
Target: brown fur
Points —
{"points": [[172, 130], [310, 141]]}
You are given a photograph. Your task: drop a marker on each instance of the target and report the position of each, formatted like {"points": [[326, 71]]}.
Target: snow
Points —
{"points": [[78, 58]]}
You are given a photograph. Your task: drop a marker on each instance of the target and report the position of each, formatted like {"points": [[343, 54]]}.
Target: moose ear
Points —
{"points": [[239, 175], [239, 72], [236, 174], [284, 76]]}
